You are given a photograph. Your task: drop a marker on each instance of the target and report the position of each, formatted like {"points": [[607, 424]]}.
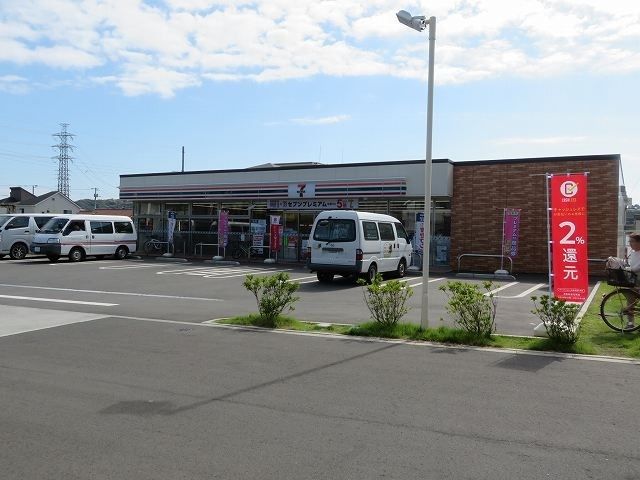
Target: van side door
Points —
{"points": [[389, 249], [404, 246], [102, 238], [75, 234], [371, 245]]}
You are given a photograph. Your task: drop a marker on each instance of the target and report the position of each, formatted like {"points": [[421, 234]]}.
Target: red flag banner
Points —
{"points": [[569, 237], [275, 234]]}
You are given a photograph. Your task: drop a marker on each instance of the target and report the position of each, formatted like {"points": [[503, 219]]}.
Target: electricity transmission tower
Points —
{"points": [[63, 158]]}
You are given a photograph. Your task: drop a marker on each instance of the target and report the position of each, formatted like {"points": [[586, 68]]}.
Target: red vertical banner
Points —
{"points": [[569, 237], [275, 234]]}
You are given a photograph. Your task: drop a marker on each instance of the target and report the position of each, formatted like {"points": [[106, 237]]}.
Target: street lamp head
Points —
{"points": [[418, 23]]}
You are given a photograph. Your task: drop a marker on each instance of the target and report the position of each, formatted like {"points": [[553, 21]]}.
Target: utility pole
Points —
{"points": [[63, 158], [33, 189], [95, 198], [183, 159]]}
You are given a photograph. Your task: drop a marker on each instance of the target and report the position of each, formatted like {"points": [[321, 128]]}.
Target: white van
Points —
{"points": [[17, 231], [77, 236], [351, 243]]}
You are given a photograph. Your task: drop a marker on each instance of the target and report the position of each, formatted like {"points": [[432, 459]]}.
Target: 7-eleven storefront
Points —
{"points": [[293, 193]]}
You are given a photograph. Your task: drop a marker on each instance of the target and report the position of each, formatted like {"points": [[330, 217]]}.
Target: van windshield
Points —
{"points": [[335, 230], [4, 218], [55, 225]]}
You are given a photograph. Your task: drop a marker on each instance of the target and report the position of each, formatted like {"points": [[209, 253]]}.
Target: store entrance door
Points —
{"points": [[290, 237]]}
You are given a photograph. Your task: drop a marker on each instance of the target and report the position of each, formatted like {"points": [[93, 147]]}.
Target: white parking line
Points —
{"points": [[125, 267], [57, 300], [185, 270], [302, 278], [102, 292], [430, 281], [506, 285], [526, 292], [222, 272]]}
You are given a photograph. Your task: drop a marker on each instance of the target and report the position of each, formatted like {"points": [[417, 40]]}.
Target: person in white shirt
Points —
{"points": [[633, 265], [633, 257]]}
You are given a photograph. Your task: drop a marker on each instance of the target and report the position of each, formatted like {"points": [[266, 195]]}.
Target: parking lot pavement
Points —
{"points": [[15, 320], [198, 291], [124, 399]]}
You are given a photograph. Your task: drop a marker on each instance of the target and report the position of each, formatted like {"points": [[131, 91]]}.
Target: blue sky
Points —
{"points": [[241, 83]]}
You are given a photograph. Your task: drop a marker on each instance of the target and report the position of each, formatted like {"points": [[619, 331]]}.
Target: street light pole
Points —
{"points": [[419, 23]]}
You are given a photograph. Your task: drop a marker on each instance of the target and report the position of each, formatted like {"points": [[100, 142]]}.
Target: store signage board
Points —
{"points": [[314, 204]]}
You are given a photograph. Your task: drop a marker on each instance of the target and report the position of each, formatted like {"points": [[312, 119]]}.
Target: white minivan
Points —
{"points": [[17, 231], [77, 236], [352, 243]]}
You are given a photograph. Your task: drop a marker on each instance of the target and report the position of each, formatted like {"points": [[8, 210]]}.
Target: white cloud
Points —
{"points": [[185, 42], [310, 121], [320, 120], [14, 84]]}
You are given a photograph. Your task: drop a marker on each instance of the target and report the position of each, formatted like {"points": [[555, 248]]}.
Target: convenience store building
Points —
{"points": [[467, 203]]}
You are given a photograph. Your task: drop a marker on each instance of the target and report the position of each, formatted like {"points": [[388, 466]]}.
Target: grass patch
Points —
{"points": [[601, 338], [285, 322], [595, 337]]}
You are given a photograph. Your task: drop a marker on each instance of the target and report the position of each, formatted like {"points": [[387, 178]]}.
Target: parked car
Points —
{"points": [[352, 243], [17, 231], [77, 236]]}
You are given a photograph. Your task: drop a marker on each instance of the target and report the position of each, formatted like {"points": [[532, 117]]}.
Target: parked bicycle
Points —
{"points": [[239, 249], [154, 246], [620, 308]]}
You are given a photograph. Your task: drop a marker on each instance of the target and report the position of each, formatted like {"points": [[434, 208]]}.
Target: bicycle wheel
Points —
{"points": [[152, 246], [614, 309]]}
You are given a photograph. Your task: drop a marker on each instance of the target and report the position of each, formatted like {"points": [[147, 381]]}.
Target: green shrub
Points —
{"points": [[273, 294], [387, 303], [559, 319], [473, 310]]}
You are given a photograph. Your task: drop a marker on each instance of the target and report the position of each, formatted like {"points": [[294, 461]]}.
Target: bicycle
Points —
{"points": [[621, 305], [153, 245], [239, 249]]}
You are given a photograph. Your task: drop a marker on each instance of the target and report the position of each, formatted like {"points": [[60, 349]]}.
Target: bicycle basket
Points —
{"points": [[619, 277]]}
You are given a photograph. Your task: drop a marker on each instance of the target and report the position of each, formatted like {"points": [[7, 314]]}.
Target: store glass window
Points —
{"points": [[181, 209], [148, 208], [236, 209], [145, 224], [204, 209]]}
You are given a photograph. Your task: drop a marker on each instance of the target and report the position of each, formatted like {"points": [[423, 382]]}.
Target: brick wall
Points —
{"points": [[482, 189]]}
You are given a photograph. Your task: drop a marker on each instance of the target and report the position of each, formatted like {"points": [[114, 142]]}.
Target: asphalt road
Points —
{"points": [[113, 376], [197, 292], [117, 398]]}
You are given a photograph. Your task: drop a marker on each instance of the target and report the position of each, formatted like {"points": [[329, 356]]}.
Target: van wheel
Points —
{"points": [[121, 253], [76, 255], [53, 258], [325, 277], [18, 251], [402, 269], [371, 273]]}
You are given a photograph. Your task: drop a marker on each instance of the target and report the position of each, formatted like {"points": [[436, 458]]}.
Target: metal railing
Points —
{"points": [[203, 244]]}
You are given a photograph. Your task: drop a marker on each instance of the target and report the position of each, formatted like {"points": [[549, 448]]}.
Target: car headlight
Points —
{"points": [[53, 240]]}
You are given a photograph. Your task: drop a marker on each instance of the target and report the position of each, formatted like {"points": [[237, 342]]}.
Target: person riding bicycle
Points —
{"points": [[631, 263]]}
